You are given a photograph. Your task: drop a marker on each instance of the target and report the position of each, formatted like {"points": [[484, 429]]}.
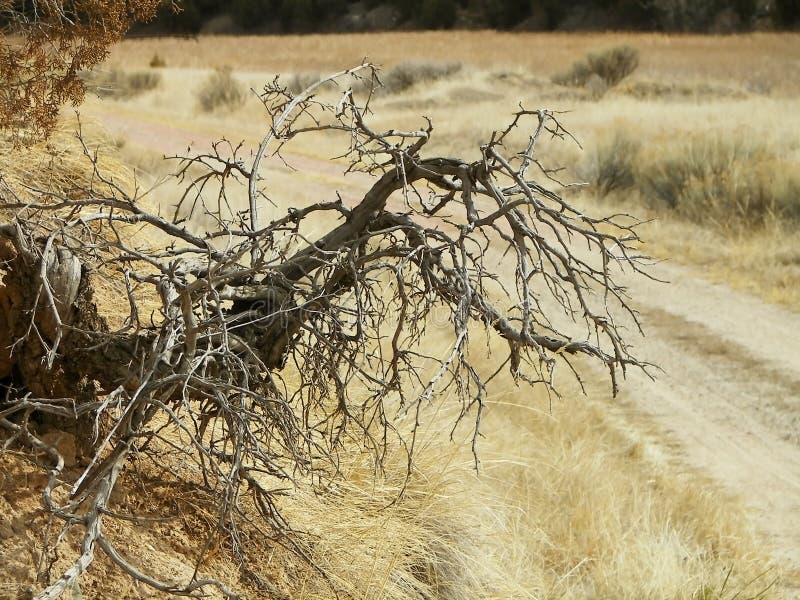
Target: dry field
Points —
{"points": [[742, 91], [748, 60], [578, 496]]}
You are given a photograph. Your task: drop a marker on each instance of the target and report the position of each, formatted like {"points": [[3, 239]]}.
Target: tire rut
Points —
{"points": [[728, 396]]}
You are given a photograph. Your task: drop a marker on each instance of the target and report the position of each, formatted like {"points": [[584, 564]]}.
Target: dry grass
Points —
{"points": [[117, 83], [221, 91], [719, 179], [765, 61], [67, 167], [608, 67], [59, 165], [727, 199], [572, 501], [765, 263], [407, 74]]}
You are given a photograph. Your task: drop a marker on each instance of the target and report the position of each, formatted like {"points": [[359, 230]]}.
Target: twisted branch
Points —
{"points": [[232, 308]]}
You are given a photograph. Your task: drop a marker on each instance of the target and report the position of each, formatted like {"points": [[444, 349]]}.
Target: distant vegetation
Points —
{"points": [[221, 91], [365, 15], [121, 84], [606, 68], [718, 179]]}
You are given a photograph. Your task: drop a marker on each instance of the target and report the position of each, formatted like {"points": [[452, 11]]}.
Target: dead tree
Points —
{"points": [[234, 307]]}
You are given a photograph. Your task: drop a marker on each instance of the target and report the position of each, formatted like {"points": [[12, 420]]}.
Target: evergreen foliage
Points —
{"points": [[324, 15]]}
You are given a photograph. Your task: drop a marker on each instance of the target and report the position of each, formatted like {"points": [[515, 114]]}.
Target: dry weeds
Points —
{"points": [[572, 501]]}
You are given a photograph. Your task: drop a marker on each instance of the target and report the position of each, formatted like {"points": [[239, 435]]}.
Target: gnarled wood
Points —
{"points": [[230, 307]]}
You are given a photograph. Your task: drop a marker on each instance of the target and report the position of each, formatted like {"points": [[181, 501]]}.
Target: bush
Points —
{"points": [[506, 13], [611, 66], [122, 85], [409, 73], [700, 15], [157, 61], [438, 14], [576, 76], [612, 168], [614, 64], [221, 91], [785, 13], [680, 15], [721, 181]]}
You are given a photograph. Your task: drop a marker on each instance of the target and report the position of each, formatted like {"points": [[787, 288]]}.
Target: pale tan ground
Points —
{"points": [[729, 394]]}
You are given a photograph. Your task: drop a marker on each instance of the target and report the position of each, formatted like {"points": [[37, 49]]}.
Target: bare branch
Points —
{"points": [[489, 244]]}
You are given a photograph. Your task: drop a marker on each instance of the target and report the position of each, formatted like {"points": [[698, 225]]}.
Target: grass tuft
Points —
{"points": [[609, 66], [407, 74], [122, 85], [615, 64], [157, 62], [221, 91], [612, 166]]}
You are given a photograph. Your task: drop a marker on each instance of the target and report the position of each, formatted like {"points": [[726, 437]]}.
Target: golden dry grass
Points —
{"points": [[752, 57], [765, 263], [573, 500], [60, 164]]}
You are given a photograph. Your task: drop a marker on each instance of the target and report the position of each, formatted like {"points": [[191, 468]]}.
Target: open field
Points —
{"points": [[739, 93], [746, 59], [687, 487]]}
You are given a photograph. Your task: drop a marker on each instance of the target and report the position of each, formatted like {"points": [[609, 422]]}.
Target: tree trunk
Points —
{"points": [[47, 320]]}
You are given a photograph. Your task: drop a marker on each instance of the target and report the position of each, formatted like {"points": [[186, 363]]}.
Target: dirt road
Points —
{"points": [[728, 399], [729, 396]]}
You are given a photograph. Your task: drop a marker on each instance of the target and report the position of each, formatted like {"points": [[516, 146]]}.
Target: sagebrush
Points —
{"points": [[609, 66], [221, 91]]}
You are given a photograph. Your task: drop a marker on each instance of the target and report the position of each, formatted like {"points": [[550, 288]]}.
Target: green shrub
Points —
{"points": [[701, 15], [611, 66], [785, 13], [680, 15], [506, 13], [221, 91], [438, 14]]}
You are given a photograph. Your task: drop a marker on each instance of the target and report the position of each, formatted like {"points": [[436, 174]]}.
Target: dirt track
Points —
{"points": [[729, 396]]}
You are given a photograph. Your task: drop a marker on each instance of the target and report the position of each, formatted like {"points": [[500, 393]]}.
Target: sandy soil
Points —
{"points": [[728, 399]]}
